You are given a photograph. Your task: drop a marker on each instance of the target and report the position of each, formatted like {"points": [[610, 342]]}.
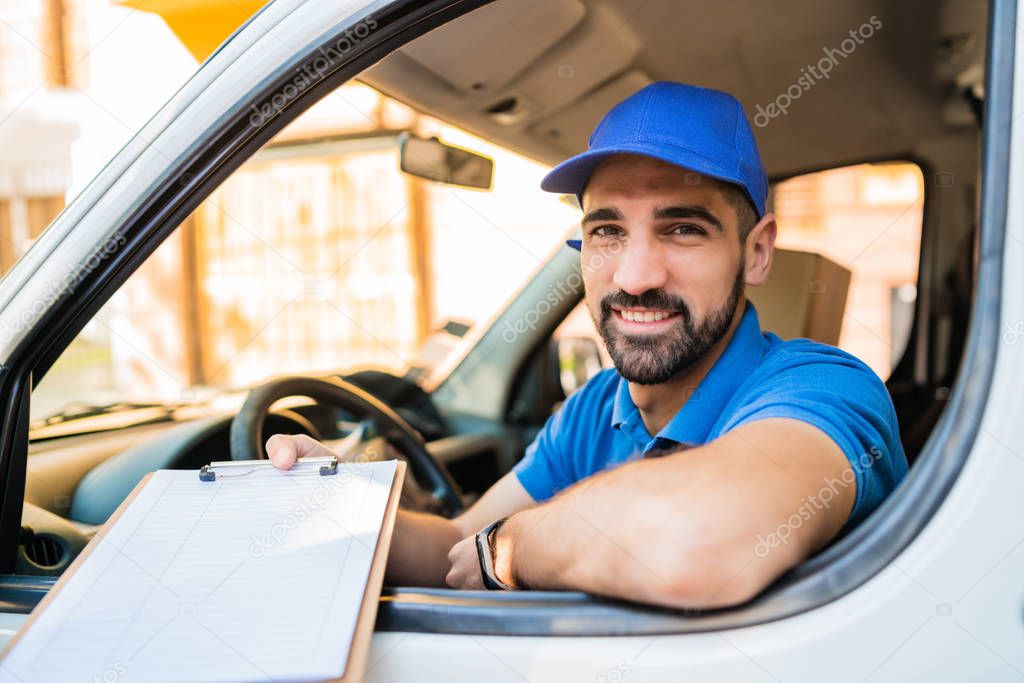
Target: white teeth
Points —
{"points": [[644, 316]]}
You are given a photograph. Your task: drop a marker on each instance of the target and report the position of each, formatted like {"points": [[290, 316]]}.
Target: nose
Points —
{"points": [[640, 267]]}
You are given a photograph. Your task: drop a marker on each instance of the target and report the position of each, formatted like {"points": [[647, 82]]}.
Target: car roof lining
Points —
{"points": [[541, 94]]}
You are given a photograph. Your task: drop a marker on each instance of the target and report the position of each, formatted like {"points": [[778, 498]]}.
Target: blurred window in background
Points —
{"points": [[868, 219]]}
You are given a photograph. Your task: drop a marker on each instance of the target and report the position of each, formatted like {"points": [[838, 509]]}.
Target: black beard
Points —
{"points": [[654, 359]]}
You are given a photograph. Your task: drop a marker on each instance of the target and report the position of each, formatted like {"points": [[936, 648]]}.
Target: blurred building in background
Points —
{"points": [[319, 254], [41, 62]]}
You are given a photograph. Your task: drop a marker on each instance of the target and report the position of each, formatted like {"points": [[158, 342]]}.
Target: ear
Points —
{"points": [[759, 250]]}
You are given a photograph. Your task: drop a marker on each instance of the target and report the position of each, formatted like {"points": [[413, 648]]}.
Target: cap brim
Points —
{"points": [[571, 176]]}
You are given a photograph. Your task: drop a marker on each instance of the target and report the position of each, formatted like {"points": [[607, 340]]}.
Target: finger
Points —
{"points": [[284, 449]]}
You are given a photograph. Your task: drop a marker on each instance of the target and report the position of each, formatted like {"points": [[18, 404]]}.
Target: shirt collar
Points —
{"points": [[692, 424]]}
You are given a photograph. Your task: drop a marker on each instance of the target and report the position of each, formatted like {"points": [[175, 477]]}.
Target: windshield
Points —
{"points": [[318, 256]]}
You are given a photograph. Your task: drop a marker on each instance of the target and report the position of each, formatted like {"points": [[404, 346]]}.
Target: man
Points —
{"points": [[762, 450]]}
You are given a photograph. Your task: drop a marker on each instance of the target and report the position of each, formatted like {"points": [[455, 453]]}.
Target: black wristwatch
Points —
{"points": [[485, 552]]}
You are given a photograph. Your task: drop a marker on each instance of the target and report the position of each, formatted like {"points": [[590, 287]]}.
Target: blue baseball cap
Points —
{"points": [[698, 129]]}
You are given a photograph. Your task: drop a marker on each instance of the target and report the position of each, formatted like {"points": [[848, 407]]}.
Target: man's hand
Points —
{"points": [[284, 449], [465, 570], [465, 566]]}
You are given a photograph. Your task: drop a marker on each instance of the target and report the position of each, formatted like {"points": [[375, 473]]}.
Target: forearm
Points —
{"points": [[683, 530], [419, 549], [596, 538]]}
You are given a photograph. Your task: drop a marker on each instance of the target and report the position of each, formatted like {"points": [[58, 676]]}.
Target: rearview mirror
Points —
{"points": [[441, 162]]}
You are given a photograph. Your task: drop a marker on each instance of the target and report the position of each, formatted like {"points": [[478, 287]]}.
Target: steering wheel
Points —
{"points": [[247, 429]]}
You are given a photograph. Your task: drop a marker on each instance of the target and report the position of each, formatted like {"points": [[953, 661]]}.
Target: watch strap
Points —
{"points": [[485, 553]]}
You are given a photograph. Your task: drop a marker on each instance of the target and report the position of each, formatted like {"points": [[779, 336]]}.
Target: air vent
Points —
{"points": [[46, 551]]}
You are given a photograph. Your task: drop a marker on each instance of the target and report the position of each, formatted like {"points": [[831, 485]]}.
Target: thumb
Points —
{"points": [[282, 450]]}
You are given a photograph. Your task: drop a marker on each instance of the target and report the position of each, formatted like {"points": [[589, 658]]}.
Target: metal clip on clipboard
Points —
{"points": [[229, 469]]}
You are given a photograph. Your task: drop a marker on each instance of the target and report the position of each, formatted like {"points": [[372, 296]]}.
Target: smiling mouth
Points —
{"points": [[644, 316]]}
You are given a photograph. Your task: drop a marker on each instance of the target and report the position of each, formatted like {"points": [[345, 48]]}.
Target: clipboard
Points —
{"points": [[355, 665]]}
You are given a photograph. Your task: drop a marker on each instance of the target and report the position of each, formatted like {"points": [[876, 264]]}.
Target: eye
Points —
{"points": [[606, 231], [687, 229]]}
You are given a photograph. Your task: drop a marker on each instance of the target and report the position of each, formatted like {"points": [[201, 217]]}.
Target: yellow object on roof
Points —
{"points": [[202, 25]]}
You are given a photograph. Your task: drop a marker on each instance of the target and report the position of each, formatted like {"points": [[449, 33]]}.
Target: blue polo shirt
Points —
{"points": [[758, 376]]}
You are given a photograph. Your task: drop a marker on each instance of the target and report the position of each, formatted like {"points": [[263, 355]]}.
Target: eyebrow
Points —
{"points": [[680, 211], [604, 214]]}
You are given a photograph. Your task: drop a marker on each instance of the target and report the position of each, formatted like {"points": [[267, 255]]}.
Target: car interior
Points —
{"points": [[542, 74]]}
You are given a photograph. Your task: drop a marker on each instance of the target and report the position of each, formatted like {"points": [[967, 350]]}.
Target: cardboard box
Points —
{"points": [[805, 296]]}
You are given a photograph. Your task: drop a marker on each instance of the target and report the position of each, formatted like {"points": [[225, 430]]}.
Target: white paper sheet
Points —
{"points": [[258, 577]]}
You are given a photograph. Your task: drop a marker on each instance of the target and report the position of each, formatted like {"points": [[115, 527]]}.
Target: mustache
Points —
{"points": [[652, 298]]}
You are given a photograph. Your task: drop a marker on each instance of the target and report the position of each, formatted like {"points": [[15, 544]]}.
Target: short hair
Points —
{"points": [[746, 214]]}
